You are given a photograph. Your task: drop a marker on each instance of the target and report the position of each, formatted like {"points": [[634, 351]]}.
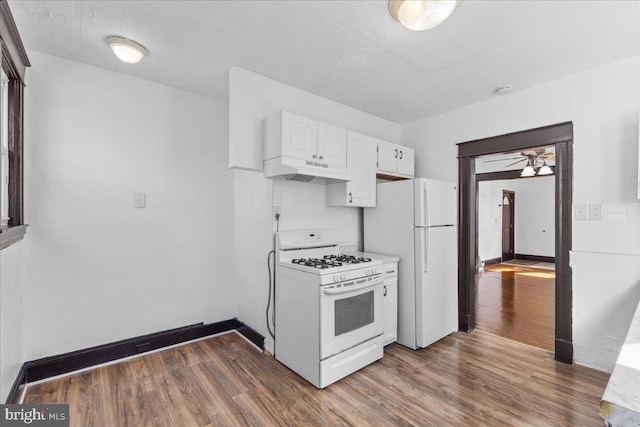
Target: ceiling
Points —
{"points": [[349, 51]]}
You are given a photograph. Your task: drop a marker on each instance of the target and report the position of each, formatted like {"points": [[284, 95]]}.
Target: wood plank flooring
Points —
{"points": [[517, 303], [462, 380]]}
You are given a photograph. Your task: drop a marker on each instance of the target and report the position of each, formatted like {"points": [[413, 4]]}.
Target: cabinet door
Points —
{"points": [[405, 161], [387, 158], [299, 137], [332, 145], [362, 169], [390, 303]]}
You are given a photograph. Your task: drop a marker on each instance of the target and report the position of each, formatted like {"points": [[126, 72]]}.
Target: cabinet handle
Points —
{"points": [[350, 198], [396, 153], [384, 290], [321, 157], [400, 154]]}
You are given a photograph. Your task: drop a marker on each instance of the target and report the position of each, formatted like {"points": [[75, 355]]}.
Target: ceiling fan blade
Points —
{"points": [[548, 156], [515, 163], [502, 160]]}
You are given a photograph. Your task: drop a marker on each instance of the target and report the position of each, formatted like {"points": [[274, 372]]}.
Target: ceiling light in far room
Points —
{"points": [[545, 170], [528, 171], [127, 50], [420, 15]]}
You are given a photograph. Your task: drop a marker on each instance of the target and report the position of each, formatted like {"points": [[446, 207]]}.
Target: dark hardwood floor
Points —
{"points": [[462, 380], [517, 303]]}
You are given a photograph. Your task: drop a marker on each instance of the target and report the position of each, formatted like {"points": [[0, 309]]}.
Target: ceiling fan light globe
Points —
{"points": [[545, 170], [527, 172]]}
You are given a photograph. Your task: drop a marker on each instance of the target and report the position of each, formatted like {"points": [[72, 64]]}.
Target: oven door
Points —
{"points": [[350, 313]]}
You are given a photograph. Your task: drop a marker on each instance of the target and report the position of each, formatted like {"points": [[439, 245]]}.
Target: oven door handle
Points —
{"points": [[349, 289]]}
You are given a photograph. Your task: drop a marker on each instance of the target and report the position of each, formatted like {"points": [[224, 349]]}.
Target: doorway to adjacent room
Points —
{"points": [[559, 136]]}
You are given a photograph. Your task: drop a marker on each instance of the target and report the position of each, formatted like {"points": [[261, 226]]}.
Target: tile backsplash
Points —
{"points": [[618, 232], [304, 206]]}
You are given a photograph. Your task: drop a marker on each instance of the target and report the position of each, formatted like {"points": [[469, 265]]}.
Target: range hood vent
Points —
{"points": [[304, 171]]}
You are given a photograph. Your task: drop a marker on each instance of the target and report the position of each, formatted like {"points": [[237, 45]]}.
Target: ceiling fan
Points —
{"points": [[536, 162]]}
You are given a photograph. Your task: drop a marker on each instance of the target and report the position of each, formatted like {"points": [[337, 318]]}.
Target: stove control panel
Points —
{"points": [[339, 277], [352, 275], [313, 237], [371, 271]]}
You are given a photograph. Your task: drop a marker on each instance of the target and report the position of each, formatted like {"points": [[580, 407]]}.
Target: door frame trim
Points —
{"points": [[561, 136]]}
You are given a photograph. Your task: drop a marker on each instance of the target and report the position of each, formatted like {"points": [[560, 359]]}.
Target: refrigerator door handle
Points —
{"points": [[425, 249], [420, 204]]}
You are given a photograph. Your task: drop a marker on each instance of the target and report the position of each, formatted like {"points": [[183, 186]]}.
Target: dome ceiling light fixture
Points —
{"points": [[421, 15], [127, 50]]}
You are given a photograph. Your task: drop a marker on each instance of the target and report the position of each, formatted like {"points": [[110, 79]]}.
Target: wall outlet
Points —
{"points": [[580, 212], [595, 211], [611, 343], [139, 200]]}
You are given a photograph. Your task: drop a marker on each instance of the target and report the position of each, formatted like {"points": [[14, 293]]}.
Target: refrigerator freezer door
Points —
{"points": [[436, 284], [440, 204]]}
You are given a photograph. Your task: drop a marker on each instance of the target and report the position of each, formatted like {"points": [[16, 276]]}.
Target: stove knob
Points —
{"points": [[343, 277], [336, 278]]}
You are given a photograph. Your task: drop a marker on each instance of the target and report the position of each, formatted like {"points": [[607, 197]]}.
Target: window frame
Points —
{"points": [[14, 64]]}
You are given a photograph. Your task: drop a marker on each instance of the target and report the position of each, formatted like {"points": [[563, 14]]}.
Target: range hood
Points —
{"points": [[303, 170]]}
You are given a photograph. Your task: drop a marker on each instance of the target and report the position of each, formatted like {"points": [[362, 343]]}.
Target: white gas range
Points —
{"points": [[329, 307]]}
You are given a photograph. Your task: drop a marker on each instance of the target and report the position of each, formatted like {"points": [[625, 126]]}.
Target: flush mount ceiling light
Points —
{"points": [[420, 15], [127, 50]]}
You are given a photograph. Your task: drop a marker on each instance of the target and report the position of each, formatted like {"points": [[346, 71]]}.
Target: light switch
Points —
{"points": [[580, 213], [595, 211], [139, 200]]}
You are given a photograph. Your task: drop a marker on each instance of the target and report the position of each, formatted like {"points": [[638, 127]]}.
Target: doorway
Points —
{"points": [[561, 137], [508, 229]]}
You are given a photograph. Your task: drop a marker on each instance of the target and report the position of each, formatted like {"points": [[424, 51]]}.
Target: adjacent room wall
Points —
{"points": [[252, 98], [534, 217], [11, 316], [603, 104], [98, 270]]}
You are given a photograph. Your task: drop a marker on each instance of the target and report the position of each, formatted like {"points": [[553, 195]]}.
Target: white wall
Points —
{"points": [[534, 216], [252, 98], [96, 269], [11, 316], [304, 206], [603, 104]]}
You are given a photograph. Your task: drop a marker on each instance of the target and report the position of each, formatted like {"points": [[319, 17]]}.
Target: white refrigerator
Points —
{"points": [[416, 220]]}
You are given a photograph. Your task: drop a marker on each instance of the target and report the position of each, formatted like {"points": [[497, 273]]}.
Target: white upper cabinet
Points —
{"points": [[332, 145], [387, 158], [406, 162], [395, 160], [361, 166], [290, 135], [299, 136]]}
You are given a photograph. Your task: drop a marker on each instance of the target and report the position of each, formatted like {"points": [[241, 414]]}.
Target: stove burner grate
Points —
{"points": [[329, 261]]}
